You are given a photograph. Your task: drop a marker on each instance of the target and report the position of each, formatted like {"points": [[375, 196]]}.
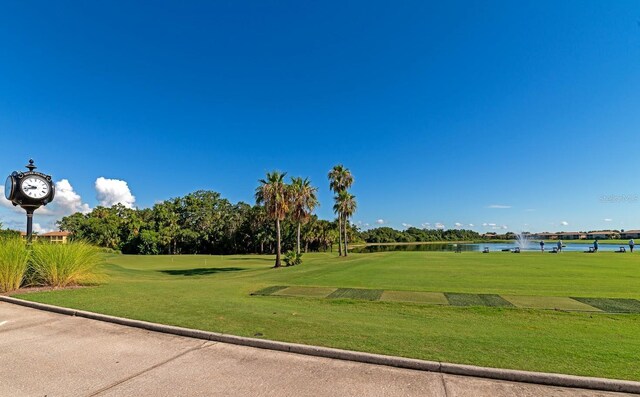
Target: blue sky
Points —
{"points": [[506, 115]]}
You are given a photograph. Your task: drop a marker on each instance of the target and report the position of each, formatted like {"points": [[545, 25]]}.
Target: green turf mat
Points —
{"points": [[357, 293], [312, 292], [457, 299], [548, 302], [613, 305], [432, 298], [269, 290]]}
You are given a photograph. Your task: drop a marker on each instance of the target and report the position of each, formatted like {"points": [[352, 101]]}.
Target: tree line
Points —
{"points": [[282, 219], [203, 222], [413, 235]]}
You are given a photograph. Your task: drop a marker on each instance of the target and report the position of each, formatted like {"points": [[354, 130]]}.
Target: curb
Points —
{"points": [[549, 379]]}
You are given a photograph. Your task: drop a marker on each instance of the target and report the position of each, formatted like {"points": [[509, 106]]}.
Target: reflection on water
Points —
{"points": [[493, 247]]}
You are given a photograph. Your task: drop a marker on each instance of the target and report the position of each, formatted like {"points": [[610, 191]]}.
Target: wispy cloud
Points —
{"points": [[439, 225], [380, 221], [457, 224], [564, 223], [499, 206], [607, 219]]}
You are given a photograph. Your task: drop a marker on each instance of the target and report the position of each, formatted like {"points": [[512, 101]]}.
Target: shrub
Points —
{"points": [[292, 258], [59, 265], [14, 259]]}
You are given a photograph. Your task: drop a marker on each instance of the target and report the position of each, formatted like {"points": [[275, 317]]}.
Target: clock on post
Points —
{"points": [[30, 190]]}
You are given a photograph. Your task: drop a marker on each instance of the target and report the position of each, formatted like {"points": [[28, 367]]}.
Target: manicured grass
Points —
{"points": [[194, 291], [432, 298]]}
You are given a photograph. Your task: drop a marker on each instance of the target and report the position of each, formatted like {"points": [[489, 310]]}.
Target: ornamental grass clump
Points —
{"points": [[14, 259], [60, 265]]}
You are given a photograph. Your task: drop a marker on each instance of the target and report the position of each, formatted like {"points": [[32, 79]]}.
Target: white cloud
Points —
{"points": [[67, 201], [471, 225], [439, 225], [380, 221], [492, 224], [485, 224], [607, 219], [499, 206], [458, 224], [426, 225], [505, 227], [7, 204], [113, 191], [564, 223], [406, 225], [37, 228]]}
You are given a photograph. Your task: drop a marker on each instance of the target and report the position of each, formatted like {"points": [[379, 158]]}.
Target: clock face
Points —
{"points": [[35, 187], [8, 187]]}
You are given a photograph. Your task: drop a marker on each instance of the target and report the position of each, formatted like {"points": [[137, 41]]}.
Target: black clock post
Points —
{"points": [[30, 190]]}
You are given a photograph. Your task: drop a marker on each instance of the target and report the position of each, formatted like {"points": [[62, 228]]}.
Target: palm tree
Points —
{"points": [[273, 192], [303, 201], [340, 179], [345, 206]]}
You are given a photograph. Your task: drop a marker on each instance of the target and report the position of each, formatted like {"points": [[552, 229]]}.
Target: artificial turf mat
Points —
{"points": [[608, 305], [457, 299], [613, 305], [269, 290], [357, 293], [312, 292]]}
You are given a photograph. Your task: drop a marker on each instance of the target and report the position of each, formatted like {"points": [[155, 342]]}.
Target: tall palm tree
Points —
{"points": [[273, 192], [303, 201], [340, 179], [345, 206]]}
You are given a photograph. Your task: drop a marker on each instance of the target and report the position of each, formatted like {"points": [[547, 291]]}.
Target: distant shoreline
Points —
{"points": [[583, 241]]}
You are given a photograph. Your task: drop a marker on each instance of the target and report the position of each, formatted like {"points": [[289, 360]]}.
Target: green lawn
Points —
{"points": [[215, 293]]}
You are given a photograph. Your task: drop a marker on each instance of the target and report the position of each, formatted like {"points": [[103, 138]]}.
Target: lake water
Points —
{"points": [[493, 247]]}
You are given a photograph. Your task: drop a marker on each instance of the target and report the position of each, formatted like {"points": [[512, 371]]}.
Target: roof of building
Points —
{"points": [[56, 234]]}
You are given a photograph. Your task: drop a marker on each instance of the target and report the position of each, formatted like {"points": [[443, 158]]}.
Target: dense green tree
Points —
{"points": [[199, 223]]}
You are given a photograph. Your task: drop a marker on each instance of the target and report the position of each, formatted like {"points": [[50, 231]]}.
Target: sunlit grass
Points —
{"points": [[60, 265], [214, 293], [14, 257]]}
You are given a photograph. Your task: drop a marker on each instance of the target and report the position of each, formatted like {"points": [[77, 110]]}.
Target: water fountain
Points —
{"points": [[522, 241]]}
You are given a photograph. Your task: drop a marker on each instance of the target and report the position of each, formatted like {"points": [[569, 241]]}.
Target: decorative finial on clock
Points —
{"points": [[31, 167]]}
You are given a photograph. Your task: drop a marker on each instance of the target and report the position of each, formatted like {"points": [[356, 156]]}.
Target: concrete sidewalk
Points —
{"points": [[49, 354]]}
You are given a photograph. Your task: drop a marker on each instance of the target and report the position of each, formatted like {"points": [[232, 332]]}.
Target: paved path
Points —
{"points": [[48, 354]]}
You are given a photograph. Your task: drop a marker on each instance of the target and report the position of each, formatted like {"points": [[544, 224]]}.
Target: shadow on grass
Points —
{"points": [[201, 271], [251, 259]]}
